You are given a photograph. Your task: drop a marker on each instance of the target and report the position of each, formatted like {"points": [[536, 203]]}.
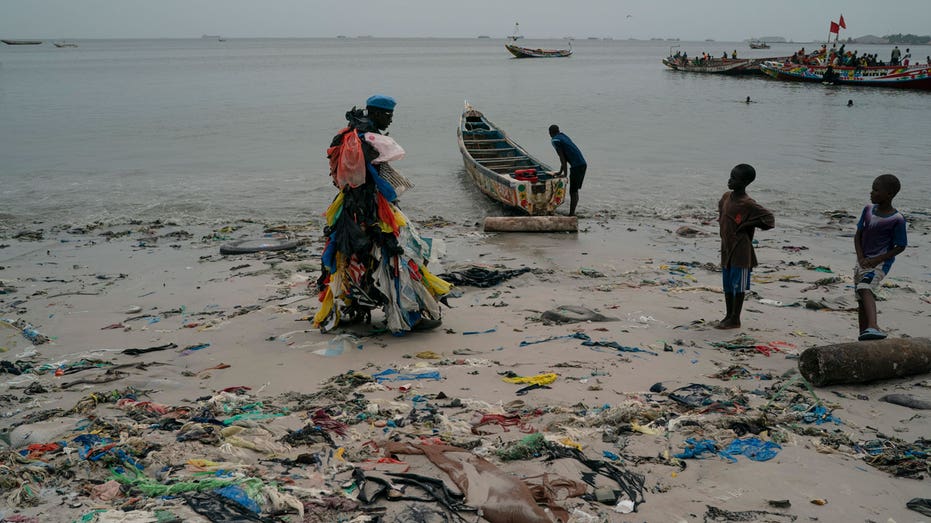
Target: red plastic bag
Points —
{"points": [[350, 168]]}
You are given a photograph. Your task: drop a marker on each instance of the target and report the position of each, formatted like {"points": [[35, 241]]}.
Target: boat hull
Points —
{"points": [[730, 66], [491, 158], [22, 42], [899, 77], [528, 52]]}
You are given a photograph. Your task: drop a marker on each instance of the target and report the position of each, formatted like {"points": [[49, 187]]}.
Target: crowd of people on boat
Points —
{"points": [[682, 58], [840, 57]]}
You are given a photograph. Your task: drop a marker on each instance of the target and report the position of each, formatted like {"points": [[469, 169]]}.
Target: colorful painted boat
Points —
{"points": [[504, 170], [911, 77], [529, 52], [720, 65], [22, 42]]}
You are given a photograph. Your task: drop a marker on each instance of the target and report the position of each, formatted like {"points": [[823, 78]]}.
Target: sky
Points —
{"points": [[724, 20]]}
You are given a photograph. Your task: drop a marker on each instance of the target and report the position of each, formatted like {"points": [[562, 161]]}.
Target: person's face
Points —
{"points": [[736, 182], [381, 118], [879, 194]]}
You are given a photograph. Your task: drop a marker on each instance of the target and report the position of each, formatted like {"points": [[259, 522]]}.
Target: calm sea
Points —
{"points": [[205, 131]]}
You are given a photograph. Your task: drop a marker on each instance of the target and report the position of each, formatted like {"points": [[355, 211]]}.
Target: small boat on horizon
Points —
{"points": [[758, 44], [22, 42], [64, 44], [504, 170], [529, 52]]}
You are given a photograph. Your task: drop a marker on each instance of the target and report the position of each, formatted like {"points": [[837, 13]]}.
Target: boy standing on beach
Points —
{"points": [[880, 238], [738, 216], [570, 154]]}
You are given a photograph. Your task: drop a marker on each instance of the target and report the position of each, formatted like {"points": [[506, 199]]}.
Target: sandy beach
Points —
{"points": [[240, 391]]}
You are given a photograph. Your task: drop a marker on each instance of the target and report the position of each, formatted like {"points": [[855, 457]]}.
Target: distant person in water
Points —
{"points": [[738, 217], [569, 154], [849, 103], [748, 99]]}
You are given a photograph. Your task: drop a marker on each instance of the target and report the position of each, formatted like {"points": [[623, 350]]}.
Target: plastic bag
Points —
{"points": [[351, 167], [388, 149]]}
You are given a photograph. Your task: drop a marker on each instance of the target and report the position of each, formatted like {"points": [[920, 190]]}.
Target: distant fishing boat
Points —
{"points": [[898, 76], [758, 44], [528, 52], [64, 44], [516, 34], [22, 42], [504, 171]]}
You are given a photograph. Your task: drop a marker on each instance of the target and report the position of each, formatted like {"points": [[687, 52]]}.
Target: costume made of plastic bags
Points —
{"points": [[373, 255]]}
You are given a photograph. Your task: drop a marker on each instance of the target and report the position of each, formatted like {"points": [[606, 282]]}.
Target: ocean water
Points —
{"points": [[203, 131]]}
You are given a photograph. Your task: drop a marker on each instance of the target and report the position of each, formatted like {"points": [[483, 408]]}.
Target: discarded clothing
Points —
{"points": [[501, 497], [573, 314], [539, 379], [394, 375], [482, 277], [617, 346], [754, 448], [579, 335]]}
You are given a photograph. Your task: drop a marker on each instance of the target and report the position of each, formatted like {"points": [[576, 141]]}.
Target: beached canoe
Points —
{"points": [[504, 171], [529, 52], [911, 77]]}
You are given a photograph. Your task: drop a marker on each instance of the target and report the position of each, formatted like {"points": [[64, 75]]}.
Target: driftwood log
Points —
{"points": [[864, 361], [531, 224]]}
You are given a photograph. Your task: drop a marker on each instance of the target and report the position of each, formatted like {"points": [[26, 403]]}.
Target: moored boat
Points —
{"points": [[528, 52], [758, 44], [902, 77], [22, 42], [719, 65], [504, 170]]}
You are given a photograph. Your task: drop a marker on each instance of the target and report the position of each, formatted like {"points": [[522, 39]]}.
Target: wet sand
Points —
{"points": [[96, 291]]}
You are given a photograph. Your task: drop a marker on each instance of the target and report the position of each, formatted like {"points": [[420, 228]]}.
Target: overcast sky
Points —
{"points": [[729, 20]]}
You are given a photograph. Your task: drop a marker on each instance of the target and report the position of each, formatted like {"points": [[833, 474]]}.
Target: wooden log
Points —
{"points": [[531, 224], [864, 361]]}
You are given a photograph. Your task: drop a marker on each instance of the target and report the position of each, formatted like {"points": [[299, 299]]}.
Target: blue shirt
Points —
{"points": [[574, 157], [879, 234]]}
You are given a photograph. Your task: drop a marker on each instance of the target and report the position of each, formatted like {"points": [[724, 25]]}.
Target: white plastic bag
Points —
{"points": [[388, 149]]}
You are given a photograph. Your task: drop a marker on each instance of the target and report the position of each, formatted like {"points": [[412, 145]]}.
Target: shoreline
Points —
{"points": [[661, 287]]}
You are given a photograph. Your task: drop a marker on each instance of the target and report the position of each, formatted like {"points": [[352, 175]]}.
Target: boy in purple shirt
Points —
{"points": [[880, 237]]}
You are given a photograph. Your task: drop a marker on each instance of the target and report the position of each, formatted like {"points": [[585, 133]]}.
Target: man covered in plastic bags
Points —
{"points": [[373, 255]]}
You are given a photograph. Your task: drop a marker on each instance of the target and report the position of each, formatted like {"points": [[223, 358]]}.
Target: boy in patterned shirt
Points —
{"points": [[880, 238]]}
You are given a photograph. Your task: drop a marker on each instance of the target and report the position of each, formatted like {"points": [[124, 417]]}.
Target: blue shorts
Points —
{"points": [[736, 280]]}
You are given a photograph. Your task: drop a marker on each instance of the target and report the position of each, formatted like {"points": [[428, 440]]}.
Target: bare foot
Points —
{"points": [[728, 323]]}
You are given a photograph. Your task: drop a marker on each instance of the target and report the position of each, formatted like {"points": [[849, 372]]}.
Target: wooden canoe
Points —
{"points": [[898, 76], [504, 170], [530, 52]]}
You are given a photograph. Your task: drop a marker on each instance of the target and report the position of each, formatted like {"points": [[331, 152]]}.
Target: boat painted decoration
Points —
{"points": [[504, 171], [902, 77]]}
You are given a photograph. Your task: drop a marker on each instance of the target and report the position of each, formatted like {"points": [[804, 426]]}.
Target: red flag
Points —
{"points": [[834, 27], [841, 22]]}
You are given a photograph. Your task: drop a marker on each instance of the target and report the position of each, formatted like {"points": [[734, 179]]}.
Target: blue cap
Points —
{"points": [[381, 101]]}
